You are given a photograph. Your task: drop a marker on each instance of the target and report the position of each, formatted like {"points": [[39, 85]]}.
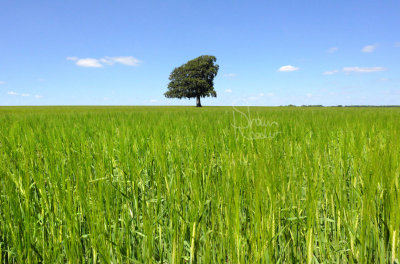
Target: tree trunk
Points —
{"points": [[198, 104]]}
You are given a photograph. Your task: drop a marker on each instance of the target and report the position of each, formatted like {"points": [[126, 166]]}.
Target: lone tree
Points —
{"points": [[194, 79]]}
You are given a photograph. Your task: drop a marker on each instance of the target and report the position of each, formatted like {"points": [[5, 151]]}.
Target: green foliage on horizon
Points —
{"points": [[194, 78], [179, 185]]}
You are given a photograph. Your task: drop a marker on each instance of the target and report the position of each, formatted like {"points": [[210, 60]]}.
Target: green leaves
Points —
{"points": [[193, 79]]}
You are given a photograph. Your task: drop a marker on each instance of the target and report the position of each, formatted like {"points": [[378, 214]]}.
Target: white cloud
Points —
{"points": [[261, 94], [2, 82], [332, 50], [98, 63], [309, 95], [89, 62], [363, 69], [230, 75], [356, 69], [129, 60], [24, 94], [369, 48], [331, 72], [153, 101], [288, 68], [228, 90]]}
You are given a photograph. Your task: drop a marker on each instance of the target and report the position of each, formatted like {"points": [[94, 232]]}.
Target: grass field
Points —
{"points": [[208, 185]]}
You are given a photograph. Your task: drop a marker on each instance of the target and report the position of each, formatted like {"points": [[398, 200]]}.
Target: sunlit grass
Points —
{"points": [[182, 184]]}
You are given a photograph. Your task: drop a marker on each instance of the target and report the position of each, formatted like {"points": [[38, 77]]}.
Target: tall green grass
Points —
{"points": [[187, 185]]}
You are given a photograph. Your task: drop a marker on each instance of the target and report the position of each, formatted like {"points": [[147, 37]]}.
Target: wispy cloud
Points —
{"points": [[309, 95], [369, 48], [130, 61], [153, 101], [228, 90], [397, 44], [333, 49], [356, 69], [89, 62], [2, 82], [230, 75], [98, 63], [288, 68], [331, 72], [363, 69], [23, 94]]}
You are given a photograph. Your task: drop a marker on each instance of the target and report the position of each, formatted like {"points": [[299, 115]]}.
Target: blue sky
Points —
{"points": [[269, 52]]}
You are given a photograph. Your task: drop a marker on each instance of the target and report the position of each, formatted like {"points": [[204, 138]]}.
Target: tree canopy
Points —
{"points": [[193, 79]]}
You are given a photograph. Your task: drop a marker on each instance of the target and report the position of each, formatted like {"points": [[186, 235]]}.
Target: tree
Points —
{"points": [[194, 79]]}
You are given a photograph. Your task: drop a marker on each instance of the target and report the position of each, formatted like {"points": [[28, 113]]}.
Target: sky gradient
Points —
{"points": [[269, 52]]}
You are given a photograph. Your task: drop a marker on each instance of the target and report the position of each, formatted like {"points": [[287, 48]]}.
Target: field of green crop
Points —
{"points": [[199, 185]]}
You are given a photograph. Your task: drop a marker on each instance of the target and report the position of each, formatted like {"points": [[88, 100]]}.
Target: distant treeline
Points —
{"points": [[343, 106]]}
